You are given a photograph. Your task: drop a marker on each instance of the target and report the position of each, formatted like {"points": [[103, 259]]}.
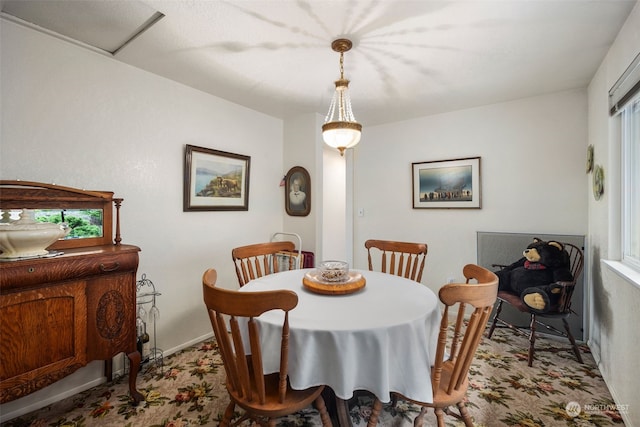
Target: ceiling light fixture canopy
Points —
{"points": [[340, 129]]}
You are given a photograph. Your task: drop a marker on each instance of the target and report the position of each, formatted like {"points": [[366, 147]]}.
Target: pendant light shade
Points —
{"points": [[340, 129]]}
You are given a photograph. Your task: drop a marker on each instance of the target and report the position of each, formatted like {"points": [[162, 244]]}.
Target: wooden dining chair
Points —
{"points": [[563, 310], [264, 397], [403, 259], [457, 346], [257, 260]]}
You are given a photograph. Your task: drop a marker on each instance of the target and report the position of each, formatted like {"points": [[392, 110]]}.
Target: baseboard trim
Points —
{"points": [[51, 400]]}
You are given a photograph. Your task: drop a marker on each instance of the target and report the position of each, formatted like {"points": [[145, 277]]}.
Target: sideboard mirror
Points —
{"points": [[92, 212]]}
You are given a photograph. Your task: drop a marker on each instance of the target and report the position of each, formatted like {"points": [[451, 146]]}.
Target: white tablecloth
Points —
{"points": [[382, 338]]}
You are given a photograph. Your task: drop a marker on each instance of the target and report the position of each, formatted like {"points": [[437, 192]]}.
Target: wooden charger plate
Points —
{"points": [[354, 283]]}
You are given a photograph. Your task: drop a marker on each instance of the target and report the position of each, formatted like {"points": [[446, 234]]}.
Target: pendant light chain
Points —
{"points": [[342, 108]]}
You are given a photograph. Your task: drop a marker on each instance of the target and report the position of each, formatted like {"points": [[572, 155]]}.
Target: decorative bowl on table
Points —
{"points": [[28, 238], [333, 278], [333, 271]]}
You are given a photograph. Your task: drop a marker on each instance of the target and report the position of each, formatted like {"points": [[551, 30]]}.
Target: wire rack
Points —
{"points": [[148, 312]]}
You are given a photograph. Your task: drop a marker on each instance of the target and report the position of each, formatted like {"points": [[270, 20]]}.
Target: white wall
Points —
{"points": [[615, 336], [532, 175], [80, 119], [335, 237], [302, 148]]}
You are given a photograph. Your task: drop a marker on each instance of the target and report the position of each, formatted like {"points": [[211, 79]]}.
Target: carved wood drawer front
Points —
{"points": [[72, 265]]}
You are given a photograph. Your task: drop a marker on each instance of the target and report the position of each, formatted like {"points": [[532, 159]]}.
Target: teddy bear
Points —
{"points": [[534, 277]]}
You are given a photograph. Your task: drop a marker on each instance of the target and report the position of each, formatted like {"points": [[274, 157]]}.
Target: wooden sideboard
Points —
{"points": [[61, 312]]}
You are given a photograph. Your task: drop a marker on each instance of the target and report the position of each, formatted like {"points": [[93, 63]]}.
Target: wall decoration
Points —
{"points": [[598, 182], [447, 183], [215, 180], [297, 199], [589, 158]]}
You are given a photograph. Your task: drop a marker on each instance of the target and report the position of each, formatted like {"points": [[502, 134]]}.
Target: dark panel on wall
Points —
{"points": [[506, 248]]}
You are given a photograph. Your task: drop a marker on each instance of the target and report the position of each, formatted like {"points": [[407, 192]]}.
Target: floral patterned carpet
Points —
{"points": [[188, 390]]}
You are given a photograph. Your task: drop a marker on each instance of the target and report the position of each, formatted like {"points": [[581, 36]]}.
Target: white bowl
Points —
{"points": [[28, 238]]}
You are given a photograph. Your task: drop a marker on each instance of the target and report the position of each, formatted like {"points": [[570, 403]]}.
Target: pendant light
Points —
{"points": [[340, 129]]}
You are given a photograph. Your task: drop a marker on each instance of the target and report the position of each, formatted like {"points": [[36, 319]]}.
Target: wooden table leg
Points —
{"points": [[342, 409], [338, 408]]}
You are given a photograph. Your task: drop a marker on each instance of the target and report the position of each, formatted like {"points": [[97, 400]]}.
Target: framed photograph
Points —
{"points": [[447, 184], [215, 180], [297, 198]]}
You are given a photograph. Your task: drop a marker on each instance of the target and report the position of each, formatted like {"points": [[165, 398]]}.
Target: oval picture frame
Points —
{"points": [[297, 196]]}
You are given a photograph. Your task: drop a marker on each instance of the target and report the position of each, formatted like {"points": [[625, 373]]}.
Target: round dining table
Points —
{"points": [[381, 338]]}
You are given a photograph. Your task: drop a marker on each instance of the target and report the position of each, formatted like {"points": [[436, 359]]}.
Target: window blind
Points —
{"points": [[626, 87]]}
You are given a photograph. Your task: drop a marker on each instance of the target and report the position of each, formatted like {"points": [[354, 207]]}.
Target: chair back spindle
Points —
{"points": [[402, 259], [257, 260], [576, 264]]}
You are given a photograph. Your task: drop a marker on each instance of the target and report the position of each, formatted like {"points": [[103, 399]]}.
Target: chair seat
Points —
{"points": [[295, 400], [441, 398], [515, 301]]}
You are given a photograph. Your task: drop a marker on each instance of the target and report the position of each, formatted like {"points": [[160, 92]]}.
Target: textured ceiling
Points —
{"points": [[410, 58]]}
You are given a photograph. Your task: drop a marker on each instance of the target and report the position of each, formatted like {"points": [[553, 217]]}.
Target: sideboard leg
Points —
{"points": [[134, 366], [108, 369]]}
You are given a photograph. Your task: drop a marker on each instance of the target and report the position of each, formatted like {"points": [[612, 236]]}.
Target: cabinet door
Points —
{"points": [[43, 337], [111, 312]]}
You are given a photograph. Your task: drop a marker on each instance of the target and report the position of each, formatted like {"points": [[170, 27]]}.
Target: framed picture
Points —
{"points": [[447, 184], [215, 180], [297, 197]]}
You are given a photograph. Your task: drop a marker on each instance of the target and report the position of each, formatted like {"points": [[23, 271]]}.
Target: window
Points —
{"points": [[630, 116], [624, 101]]}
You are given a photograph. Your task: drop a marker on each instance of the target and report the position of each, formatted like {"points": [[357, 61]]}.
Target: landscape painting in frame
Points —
{"points": [[447, 184], [215, 180]]}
